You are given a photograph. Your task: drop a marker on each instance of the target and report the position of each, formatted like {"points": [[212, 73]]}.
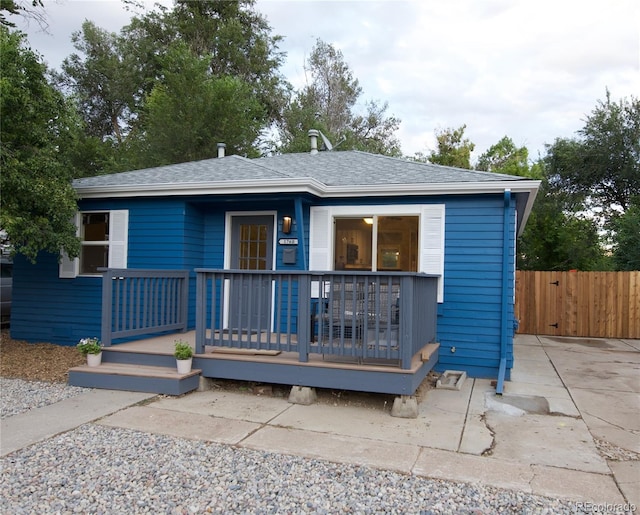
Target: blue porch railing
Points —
{"points": [[364, 317], [143, 302]]}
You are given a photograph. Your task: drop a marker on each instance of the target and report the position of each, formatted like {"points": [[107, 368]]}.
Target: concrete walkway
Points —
{"points": [[565, 398]]}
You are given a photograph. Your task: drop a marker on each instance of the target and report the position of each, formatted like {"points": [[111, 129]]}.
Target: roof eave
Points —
{"points": [[448, 188], [287, 185], [307, 185]]}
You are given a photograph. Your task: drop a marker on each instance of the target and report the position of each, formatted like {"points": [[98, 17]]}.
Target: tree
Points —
{"points": [[104, 82], [557, 237], [328, 103], [626, 249], [237, 41], [603, 164], [188, 112], [30, 10], [453, 149], [38, 128], [505, 157]]}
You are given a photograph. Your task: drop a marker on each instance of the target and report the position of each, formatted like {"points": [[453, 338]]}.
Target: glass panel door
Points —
{"points": [[252, 249]]}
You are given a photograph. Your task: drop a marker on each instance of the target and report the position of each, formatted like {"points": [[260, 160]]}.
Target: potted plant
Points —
{"points": [[92, 349], [184, 356]]}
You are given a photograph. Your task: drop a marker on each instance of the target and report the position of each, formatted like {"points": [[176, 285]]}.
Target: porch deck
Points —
{"points": [[153, 358]]}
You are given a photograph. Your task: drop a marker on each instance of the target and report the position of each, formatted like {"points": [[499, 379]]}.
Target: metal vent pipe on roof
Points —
{"points": [[221, 147], [313, 140]]}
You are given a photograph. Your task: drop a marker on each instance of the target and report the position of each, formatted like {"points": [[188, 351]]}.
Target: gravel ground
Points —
{"points": [[19, 396], [96, 469]]}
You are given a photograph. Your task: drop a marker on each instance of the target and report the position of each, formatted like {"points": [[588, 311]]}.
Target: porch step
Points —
{"points": [[135, 378]]}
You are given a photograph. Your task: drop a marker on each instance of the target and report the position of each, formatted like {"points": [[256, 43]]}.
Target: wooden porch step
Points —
{"points": [[135, 378]]}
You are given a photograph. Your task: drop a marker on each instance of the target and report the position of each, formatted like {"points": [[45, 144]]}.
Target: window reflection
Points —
{"points": [[394, 238]]}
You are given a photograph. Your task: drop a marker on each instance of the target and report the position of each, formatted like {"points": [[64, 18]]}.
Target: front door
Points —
{"points": [[252, 249]]}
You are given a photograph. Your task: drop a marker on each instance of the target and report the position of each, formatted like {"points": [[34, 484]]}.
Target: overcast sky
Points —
{"points": [[530, 70]]}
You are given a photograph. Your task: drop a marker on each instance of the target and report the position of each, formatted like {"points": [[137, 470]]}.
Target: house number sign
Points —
{"points": [[288, 241]]}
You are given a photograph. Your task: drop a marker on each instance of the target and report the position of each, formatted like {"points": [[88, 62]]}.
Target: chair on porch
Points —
{"points": [[383, 320], [344, 317], [351, 314]]}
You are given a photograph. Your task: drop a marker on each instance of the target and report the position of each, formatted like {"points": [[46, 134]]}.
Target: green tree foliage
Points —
{"points": [[453, 149], [558, 237], [29, 9], [626, 249], [189, 111], [38, 130], [329, 103], [237, 41], [505, 157], [104, 82], [603, 164]]}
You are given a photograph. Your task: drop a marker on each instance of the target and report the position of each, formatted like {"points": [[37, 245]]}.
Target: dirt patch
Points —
{"points": [[375, 401], [36, 361]]}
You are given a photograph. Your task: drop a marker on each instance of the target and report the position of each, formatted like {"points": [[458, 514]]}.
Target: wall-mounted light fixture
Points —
{"points": [[286, 224]]}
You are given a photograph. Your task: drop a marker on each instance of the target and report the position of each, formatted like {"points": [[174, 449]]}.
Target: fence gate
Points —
{"points": [[588, 304]]}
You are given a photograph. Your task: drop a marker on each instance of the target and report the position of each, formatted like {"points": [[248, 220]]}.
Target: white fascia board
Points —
{"points": [[533, 193], [311, 186], [422, 189], [203, 189]]}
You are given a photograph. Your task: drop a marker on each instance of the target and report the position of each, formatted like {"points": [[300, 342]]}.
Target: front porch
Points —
{"points": [[149, 365], [372, 332]]}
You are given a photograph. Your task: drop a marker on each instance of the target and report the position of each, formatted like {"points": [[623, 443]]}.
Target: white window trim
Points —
{"points": [[118, 244], [430, 234]]}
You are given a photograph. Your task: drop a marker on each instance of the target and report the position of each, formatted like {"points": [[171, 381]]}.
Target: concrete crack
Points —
{"points": [[489, 450]]}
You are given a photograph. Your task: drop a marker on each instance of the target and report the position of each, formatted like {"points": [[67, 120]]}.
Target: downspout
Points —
{"points": [[302, 252], [504, 301]]}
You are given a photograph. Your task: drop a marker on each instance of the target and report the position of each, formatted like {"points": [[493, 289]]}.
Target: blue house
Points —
{"points": [[330, 269]]}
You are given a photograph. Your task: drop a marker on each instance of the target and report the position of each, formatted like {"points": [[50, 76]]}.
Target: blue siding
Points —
{"points": [[46, 308], [187, 233], [469, 322]]}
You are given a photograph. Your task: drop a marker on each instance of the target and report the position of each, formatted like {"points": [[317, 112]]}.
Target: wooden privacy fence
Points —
{"points": [[589, 304]]}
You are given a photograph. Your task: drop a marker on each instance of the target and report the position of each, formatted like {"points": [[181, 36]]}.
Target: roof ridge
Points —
{"points": [[270, 168]]}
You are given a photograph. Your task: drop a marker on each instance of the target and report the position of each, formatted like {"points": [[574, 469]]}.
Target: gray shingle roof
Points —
{"points": [[358, 168], [342, 169], [205, 171]]}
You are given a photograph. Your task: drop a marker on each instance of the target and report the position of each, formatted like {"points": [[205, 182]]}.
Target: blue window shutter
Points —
{"points": [[118, 238], [320, 235], [432, 244], [69, 268]]}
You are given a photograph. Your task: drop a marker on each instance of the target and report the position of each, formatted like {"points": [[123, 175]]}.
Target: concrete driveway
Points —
{"points": [[603, 378]]}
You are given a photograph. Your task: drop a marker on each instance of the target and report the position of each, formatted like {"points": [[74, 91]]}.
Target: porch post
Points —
{"points": [[201, 309], [107, 308], [184, 308], [406, 331], [304, 316]]}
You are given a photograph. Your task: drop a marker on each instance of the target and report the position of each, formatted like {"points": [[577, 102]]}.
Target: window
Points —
{"points": [[103, 237], [376, 243], [408, 238], [94, 234]]}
